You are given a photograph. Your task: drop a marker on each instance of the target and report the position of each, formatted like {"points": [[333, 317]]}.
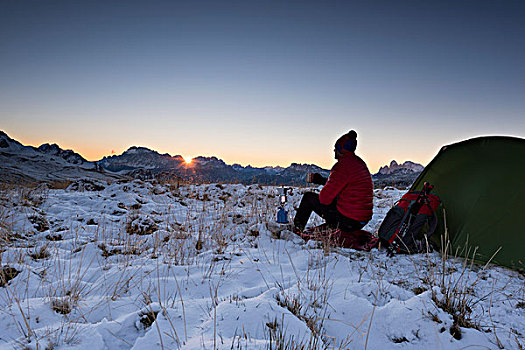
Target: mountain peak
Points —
{"points": [[139, 149], [4, 136], [7, 142], [407, 166], [209, 161], [68, 155], [48, 147], [4, 140]]}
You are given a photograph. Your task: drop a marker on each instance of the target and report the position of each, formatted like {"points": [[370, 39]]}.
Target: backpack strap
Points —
{"points": [[402, 224], [434, 222]]}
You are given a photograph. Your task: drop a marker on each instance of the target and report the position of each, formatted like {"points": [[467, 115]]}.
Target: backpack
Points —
{"points": [[410, 222]]}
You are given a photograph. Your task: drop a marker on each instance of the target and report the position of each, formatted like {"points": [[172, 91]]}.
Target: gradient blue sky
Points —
{"points": [[262, 82]]}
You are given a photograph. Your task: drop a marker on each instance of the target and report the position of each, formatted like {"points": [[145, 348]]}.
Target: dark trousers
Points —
{"points": [[334, 219]]}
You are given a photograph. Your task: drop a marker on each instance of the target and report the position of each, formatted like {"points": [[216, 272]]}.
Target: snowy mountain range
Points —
{"points": [[406, 167], [49, 162], [399, 175], [145, 163]]}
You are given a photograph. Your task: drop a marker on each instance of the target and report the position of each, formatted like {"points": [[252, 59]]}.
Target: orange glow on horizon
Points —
{"points": [[94, 151]]}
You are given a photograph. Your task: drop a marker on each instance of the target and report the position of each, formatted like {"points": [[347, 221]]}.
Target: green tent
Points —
{"points": [[481, 183]]}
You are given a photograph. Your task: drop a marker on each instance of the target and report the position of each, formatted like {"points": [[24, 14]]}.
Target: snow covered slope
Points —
{"points": [[68, 155], [140, 265], [26, 164]]}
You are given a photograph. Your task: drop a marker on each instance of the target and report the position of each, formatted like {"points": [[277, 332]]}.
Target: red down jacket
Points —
{"points": [[350, 182]]}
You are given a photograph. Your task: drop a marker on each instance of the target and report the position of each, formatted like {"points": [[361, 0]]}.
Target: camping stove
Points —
{"points": [[282, 213]]}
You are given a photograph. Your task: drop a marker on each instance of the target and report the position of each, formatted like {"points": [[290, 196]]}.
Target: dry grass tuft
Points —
{"points": [[54, 238], [109, 252], [138, 225], [40, 253], [39, 223], [418, 290], [399, 340], [59, 184], [61, 306], [278, 340], [147, 318], [7, 274], [456, 287]]}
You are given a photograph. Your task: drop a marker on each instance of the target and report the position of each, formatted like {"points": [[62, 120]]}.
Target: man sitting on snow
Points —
{"points": [[346, 200]]}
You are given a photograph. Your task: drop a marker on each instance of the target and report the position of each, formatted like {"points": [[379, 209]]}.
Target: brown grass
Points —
{"points": [[7, 274]]}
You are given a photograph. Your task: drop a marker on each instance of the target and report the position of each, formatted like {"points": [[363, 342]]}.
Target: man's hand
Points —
{"points": [[316, 178]]}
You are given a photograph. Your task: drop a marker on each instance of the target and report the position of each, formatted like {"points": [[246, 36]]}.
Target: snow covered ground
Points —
{"points": [[166, 266]]}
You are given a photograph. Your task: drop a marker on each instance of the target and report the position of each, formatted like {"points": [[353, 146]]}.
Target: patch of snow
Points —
{"points": [[204, 271]]}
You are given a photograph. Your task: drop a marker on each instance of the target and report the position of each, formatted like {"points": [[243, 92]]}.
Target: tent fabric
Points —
{"points": [[481, 184]]}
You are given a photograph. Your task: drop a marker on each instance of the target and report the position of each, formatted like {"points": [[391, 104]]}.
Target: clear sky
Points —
{"points": [[262, 82]]}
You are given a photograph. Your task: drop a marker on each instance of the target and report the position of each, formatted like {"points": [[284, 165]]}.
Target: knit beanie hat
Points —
{"points": [[347, 142]]}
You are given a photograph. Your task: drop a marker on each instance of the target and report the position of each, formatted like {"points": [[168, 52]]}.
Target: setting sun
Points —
{"points": [[187, 160]]}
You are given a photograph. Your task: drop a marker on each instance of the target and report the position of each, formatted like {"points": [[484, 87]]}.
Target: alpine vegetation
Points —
{"points": [[172, 265]]}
